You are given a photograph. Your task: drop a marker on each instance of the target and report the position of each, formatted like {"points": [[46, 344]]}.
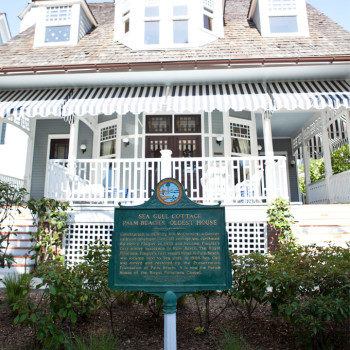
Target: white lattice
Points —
{"points": [[79, 235], [240, 130], [247, 237], [108, 133], [58, 13]]}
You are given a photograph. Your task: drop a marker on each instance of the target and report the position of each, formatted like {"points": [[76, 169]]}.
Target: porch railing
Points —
{"points": [[13, 181], [239, 180], [338, 191]]}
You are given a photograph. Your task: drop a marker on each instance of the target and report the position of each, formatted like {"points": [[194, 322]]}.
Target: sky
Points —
{"points": [[337, 10]]}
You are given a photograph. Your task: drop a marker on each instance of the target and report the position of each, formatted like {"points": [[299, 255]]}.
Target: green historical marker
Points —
{"points": [[169, 246], [169, 243]]}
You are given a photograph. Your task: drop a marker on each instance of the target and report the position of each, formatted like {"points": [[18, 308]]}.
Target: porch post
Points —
{"points": [[30, 153], [268, 147], [73, 140], [347, 116], [326, 154], [306, 157], [165, 163]]}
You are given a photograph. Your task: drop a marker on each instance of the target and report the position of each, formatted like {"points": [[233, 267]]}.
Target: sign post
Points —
{"points": [[169, 246]]}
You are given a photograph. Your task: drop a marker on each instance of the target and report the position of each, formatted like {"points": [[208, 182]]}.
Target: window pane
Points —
{"points": [[187, 123], [240, 146], [208, 23], [158, 124], [151, 33], [3, 133], [57, 34], [180, 10], [1, 42], [151, 11], [127, 26], [180, 32], [107, 148], [283, 24]]}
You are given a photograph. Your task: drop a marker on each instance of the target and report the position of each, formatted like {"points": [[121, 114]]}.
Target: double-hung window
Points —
{"points": [[152, 22], [58, 24], [180, 24], [208, 13]]}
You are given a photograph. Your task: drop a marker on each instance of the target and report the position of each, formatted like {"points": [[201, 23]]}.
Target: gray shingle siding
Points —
{"points": [[43, 129]]}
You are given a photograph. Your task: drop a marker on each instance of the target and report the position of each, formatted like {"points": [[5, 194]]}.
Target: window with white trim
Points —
{"points": [[108, 138], [208, 12], [58, 26], [180, 24], [152, 25]]}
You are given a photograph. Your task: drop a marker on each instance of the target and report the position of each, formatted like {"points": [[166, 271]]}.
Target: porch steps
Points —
{"points": [[322, 223], [19, 242]]}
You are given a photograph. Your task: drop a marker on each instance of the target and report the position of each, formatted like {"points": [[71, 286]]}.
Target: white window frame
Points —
{"points": [[299, 12], [180, 18], [114, 122], [253, 137]]}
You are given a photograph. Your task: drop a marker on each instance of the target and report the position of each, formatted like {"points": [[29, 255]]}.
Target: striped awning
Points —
{"points": [[310, 94], [30, 103], [108, 100], [239, 97]]}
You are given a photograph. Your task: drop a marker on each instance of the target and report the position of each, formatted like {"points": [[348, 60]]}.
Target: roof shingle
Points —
{"points": [[242, 40]]}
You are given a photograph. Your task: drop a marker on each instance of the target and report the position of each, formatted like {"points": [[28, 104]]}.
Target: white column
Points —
{"points": [[306, 157], [347, 116], [73, 140], [30, 154], [268, 147], [166, 163], [326, 153]]}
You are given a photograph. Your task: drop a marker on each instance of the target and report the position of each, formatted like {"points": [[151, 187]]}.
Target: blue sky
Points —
{"points": [[338, 10]]}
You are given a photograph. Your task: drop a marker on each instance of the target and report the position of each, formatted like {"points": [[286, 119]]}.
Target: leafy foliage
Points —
{"points": [[50, 217], [249, 283], [341, 159], [281, 219], [11, 199]]}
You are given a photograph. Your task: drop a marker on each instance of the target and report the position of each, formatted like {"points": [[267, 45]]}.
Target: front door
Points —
{"points": [[59, 148]]}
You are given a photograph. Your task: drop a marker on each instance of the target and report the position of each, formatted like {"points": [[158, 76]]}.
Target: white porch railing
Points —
{"points": [[13, 181], [241, 180], [339, 190]]}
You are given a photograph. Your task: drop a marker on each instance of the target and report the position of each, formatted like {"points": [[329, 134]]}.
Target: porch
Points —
{"points": [[107, 182]]}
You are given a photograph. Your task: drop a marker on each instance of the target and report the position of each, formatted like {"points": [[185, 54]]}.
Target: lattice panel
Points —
{"points": [[209, 4], [80, 235], [108, 133], [247, 237]]}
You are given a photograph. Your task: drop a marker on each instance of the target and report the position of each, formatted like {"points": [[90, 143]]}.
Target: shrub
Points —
{"points": [[310, 287], [249, 283], [233, 341], [281, 219], [50, 217]]}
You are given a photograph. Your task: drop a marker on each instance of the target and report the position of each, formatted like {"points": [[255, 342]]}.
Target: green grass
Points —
{"points": [[233, 341], [94, 341], [15, 286]]}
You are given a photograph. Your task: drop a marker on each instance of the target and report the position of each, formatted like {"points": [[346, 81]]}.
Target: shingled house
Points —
{"points": [[240, 92]]}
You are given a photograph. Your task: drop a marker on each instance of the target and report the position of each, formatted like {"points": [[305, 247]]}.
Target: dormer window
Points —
{"points": [[152, 20], [208, 14], [61, 25], [58, 24], [180, 24], [158, 24], [276, 18]]}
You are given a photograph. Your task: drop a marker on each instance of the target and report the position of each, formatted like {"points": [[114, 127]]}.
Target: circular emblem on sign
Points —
{"points": [[169, 192]]}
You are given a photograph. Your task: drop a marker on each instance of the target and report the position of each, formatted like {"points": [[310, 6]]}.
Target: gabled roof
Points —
{"points": [[242, 41]]}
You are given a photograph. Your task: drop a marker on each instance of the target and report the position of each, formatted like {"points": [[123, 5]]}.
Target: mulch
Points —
{"points": [[139, 329]]}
